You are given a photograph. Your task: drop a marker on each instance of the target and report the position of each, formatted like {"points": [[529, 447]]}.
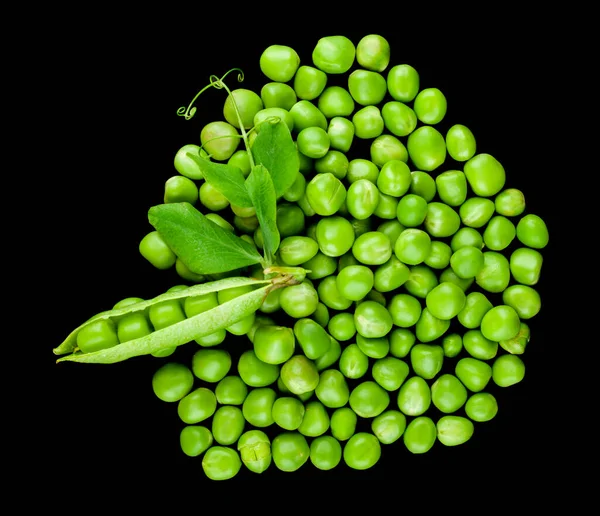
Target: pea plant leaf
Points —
{"points": [[203, 246], [261, 189], [274, 148], [228, 179]]}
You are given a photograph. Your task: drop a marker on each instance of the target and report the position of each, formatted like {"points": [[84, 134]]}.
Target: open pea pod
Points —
{"points": [[177, 334]]}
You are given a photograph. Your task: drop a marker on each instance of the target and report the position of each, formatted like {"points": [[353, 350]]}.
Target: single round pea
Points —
{"points": [[296, 191], [476, 306], [412, 246], [300, 375], [367, 87], [426, 148], [500, 323], [154, 249], [320, 266], [353, 363], [279, 95], [340, 131], [390, 373], [448, 394], [287, 412], [368, 123], [373, 53], [212, 198], [478, 346], [274, 344], [335, 235], [271, 303], [494, 277], [325, 452], [264, 116], [372, 248], [299, 301], [401, 342], [445, 301], [343, 423], [290, 451], [101, 334], [244, 102], [373, 347], [394, 178], [359, 168], [460, 143], [296, 250], [508, 370], [526, 265], [279, 62], [362, 199], [452, 187], [330, 295], [334, 162], [315, 421], [485, 174], [476, 212], [421, 281], [411, 210], [473, 373], [172, 381], [195, 440], [220, 221], [372, 320], [499, 233], [309, 82], [439, 255], [403, 82], [220, 140], [525, 300], [430, 106], [441, 220], [429, 327], [130, 327], [420, 435], [405, 310], [390, 275], [313, 142], [532, 231], [398, 118], [467, 262], [452, 345], [185, 161], [228, 425], [259, 320], [518, 343], [258, 406], [329, 358], [334, 54], [389, 426], [180, 189], [355, 281], [510, 202], [454, 430], [290, 219], [466, 236], [305, 114], [332, 390], [390, 228], [254, 448], [336, 101], [386, 147], [423, 185], [231, 390], [450, 276], [312, 337], [198, 405], [481, 407], [221, 463], [211, 365], [414, 396], [426, 360], [254, 372], [362, 451]]}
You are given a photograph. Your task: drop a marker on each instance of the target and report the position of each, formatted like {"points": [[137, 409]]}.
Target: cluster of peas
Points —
{"points": [[407, 271]]}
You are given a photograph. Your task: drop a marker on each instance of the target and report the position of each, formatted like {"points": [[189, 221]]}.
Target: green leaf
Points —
{"points": [[203, 246], [262, 192], [228, 179], [275, 149]]}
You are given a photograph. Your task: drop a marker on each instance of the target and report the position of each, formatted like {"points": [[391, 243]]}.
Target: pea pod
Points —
{"points": [[202, 324]]}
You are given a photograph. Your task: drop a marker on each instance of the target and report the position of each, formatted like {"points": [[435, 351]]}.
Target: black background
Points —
{"points": [[116, 95]]}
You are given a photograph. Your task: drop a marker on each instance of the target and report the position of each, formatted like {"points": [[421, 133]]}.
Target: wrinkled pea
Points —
{"points": [[518, 343]]}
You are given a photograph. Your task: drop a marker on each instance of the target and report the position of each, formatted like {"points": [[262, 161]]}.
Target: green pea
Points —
{"points": [[473, 373], [273, 112], [421, 281], [372, 320], [430, 106], [448, 394], [296, 250], [211, 365], [394, 178], [228, 425], [315, 421], [414, 396], [373, 347], [481, 407], [290, 451], [403, 82], [367, 87], [325, 452], [429, 328], [476, 212], [312, 337], [186, 274], [326, 194], [299, 301], [454, 430], [427, 360], [467, 262], [212, 198], [518, 343], [373, 53], [309, 82], [314, 143], [343, 423], [271, 303], [244, 103], [300, 375], [390, 373], [494, 277], [446, 300], [198, 405], [195, 440], [525, 300], [288, 412], [466, 236], [412, 246], [172, 381], [485, 174], [130, 327], [274, 344], [499, 233], [399, 118], [320, 266], [385, 148], [336, 101], [335, 235], [368, 122], [423, 185], [296, 191], [259, 321], [391, 275], [154, 249], [330, 295], [500, 323], [510, 202], [305, 114], [101, 334], [340, 132], [441, 220], [420, 435], [220, 140], [452, 187], [279, 62], [346, 260], [392, 229], [372, 248], [362, 451], [353, 363], [180, 189], [476, 306], [332, 390], [450, 276], [439, 255], [254, 448], [331, 357], [368, 399], [290, 219], [362, 169], [221, 463], [526, 265], [355, 281], [185, 161], [426, 148], [279, 95], [220, 221], [362, 199], [231, 390], [254, 372], [411, 210], [532, 231], [508, 370], [401, 342], [452, 345], [334, 162], [334, 54], [479, 346], [405, 310], [389, 426], [258, 406], [460, 143]]}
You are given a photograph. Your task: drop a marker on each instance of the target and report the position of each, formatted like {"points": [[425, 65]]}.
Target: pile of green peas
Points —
{"points": [[423, 266]]}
